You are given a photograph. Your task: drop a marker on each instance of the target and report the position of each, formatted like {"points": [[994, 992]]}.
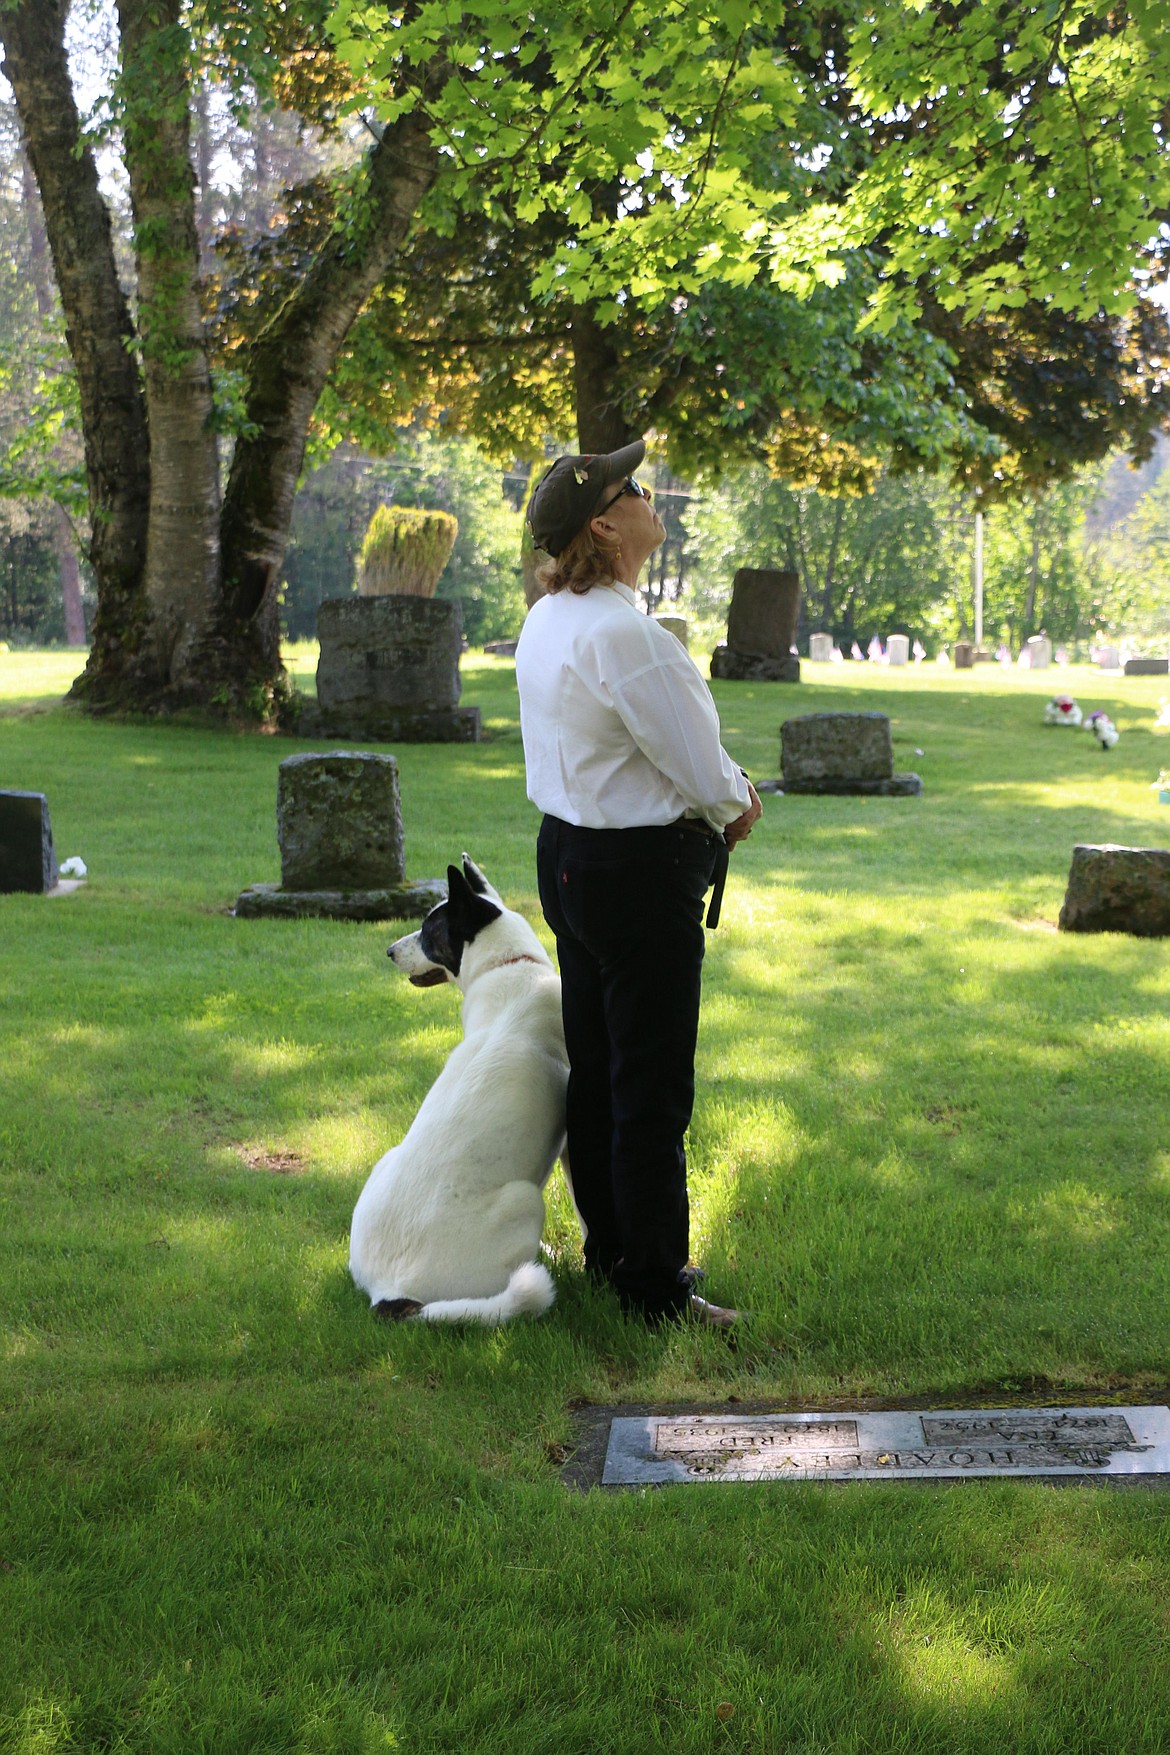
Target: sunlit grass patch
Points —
{"points": [[928, 1158]]}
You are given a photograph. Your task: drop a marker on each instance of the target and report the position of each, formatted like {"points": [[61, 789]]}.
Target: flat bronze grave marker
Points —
{"points": [[943, 1444]]}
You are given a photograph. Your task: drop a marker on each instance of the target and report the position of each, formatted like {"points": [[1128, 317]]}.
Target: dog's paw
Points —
{"points": [[396, 1309]]}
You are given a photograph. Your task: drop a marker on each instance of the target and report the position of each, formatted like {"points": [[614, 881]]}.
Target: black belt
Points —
{"points": [[719, 877], [718, 881]]}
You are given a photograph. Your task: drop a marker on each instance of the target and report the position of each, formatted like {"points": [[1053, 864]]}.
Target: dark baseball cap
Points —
{"points": [[566, 494]]}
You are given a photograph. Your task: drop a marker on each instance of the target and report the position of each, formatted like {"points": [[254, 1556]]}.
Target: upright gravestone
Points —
{"points": [[1118, 889], [842, 753], [820, 648], [27, 860], [963, 653], [389, 670], [1108, 658], [761, 628], [674, 624], [1039, 650], [342, 850], [898, 649], [1147, 666]]}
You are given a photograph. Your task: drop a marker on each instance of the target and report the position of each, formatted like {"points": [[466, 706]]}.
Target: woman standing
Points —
{"points": [[640, 803]]}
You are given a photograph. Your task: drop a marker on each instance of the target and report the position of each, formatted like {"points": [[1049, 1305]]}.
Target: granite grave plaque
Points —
{"points": [[943, 1444]]}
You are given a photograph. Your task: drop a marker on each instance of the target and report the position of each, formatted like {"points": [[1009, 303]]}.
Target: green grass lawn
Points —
{"points": [[929, 1154]]}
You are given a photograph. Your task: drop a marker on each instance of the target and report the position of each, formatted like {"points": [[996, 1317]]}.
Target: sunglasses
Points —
{"points": [[629, 486]]}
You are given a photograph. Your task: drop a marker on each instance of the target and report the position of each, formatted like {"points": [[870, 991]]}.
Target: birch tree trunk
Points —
{"points": [[182, 574]]}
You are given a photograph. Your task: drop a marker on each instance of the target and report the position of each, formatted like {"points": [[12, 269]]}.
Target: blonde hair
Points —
{"points": [[588, 560]]}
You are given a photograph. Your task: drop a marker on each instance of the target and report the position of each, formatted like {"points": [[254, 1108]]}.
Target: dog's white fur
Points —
{"points": [[451, 1217]]}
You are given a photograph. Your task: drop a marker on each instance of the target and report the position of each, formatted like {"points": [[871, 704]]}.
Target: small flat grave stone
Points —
{"points": [[947, 1444]]}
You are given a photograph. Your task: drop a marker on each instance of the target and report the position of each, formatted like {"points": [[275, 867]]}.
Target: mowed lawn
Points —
{"points": [[930, 1156]]}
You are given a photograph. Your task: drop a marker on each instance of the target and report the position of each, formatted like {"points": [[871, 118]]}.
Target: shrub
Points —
{"points": [[404, 551]]}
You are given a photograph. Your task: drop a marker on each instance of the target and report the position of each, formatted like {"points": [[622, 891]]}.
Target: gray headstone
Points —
{"points": [[1147, 666], [898, 649], [339, 821], [820, 648], [947, 1444], [398, 652], [1118, 889], [765, 603], [836, 746], [1039, 650], [27, 860], [963, 653]]}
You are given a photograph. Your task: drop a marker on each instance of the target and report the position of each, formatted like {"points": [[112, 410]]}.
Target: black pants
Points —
{"points": [[626, 906]]}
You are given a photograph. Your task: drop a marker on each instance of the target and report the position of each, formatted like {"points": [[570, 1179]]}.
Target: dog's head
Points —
{"points": [[435, 952]]}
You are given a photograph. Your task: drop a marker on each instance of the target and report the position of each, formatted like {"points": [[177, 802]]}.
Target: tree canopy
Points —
{"points": [[826, 234]]}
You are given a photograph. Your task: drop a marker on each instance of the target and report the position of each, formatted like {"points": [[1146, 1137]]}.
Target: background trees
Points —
{"points": [[847, 239]]}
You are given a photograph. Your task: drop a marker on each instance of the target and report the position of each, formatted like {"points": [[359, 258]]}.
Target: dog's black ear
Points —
{"points": [[474, 876], [467, 912], [457, 884]]}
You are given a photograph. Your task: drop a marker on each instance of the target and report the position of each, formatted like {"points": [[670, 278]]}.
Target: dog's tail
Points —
{"points": [[529, 1292]]}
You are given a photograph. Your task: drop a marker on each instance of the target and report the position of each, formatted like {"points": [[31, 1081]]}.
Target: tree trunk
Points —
{"points": [[182, 575], [68, 572], [289, 364], [602, 425], [98, 329]]}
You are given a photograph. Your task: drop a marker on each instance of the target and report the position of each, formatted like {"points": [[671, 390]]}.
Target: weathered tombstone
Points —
{"points": [[27, 861], [1147, 666], [389, 670], [1108, 658], [1039, 649], [342, 851], [898, 649], [676, 625], [963, 654], [842, 753], [1118, 889], [761, 627], [820, 648]]}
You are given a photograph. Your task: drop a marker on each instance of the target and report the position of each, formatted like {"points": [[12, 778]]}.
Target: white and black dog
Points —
{"points": [[448, 1226]]}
